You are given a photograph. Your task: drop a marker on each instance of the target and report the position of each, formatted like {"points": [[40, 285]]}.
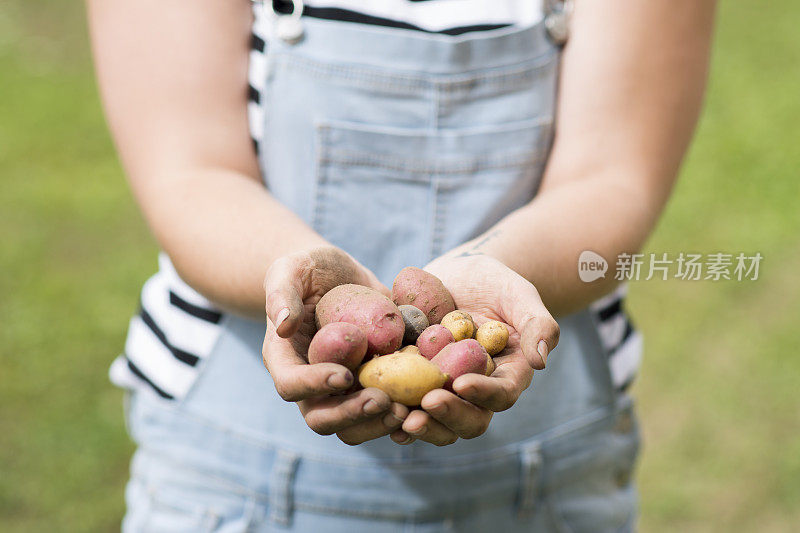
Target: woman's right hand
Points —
{"points": [[293, 286]]}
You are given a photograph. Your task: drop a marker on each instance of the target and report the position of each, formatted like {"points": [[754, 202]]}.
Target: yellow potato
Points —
{"points": [[410, 349], [405, 377], [460, 325], [490, 365], [493, 336]]}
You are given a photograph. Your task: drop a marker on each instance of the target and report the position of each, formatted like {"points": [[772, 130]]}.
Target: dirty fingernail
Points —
{"points": [[392, 420], [398, 437], [340, 380], [419, 431], [371, 407], [438, 409], [542, 349], [468, 391]]}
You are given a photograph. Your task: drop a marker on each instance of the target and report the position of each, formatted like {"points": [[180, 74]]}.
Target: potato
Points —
{"points": [[410, 349], [405, 377], [415, 322], [374, 313], [493, 336], [462, 357], [338, 342], [433, 339], [414, 286], [491, 366], [460, 325]]}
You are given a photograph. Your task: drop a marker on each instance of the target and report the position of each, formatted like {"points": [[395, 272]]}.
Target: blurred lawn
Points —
{"points": [[718, 389]]}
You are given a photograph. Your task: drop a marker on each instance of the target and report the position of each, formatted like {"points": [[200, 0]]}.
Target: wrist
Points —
{"points": [[489, 244]]}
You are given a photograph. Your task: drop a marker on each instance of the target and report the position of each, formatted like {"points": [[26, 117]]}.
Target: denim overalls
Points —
{"points": [[395, 146]]}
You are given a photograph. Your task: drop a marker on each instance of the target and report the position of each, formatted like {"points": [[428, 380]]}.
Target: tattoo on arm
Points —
{"points": [[469, 253], [476, 248]]}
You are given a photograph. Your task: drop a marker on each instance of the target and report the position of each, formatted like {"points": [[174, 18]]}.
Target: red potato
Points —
{"points": [[414, 286], [462, 357], [433, 339], [338, 342], [375, 314]]}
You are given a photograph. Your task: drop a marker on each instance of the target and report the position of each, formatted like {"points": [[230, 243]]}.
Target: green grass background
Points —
{"points": [[717, 393]]}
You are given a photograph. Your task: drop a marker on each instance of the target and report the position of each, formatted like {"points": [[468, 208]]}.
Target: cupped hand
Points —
{"points": [[293, 286], [488, 290]]}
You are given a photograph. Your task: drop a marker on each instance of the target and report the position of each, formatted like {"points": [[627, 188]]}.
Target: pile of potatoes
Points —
{"points": [[407, 347]]}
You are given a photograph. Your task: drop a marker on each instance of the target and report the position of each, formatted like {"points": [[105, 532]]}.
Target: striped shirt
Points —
{"points": [[176, 328], [174, 331], [622, 343], [450, 17]]}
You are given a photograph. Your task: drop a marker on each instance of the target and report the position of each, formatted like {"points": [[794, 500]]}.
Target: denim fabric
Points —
{"points": [[396, 146]]}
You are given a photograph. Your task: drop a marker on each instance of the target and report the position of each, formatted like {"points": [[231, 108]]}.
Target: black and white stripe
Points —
{"points": [[257, 73], [620, 339], [174, 331], [433, 16]]}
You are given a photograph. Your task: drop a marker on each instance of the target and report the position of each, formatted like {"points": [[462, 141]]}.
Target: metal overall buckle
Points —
{"points": [[556, 20], [288, 27]]}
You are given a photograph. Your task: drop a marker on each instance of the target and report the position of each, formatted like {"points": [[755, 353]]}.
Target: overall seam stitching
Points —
{"points": [[504, 78], [389, 162]]}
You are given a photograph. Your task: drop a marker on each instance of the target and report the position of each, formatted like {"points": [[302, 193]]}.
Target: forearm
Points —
{"points": [[175, 97], [222, 231], [543, 240], [631, 88]]}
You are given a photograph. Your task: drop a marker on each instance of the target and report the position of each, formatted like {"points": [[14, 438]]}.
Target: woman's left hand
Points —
{"points": [[488, 290]]}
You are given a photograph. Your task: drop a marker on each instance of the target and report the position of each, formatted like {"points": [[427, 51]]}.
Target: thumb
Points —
{"points": [[538, 330], [284, 286]]}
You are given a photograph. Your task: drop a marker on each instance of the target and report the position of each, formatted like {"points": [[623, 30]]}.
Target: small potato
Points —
{"points": [[374, 313], [491, 366], [405, 377], [414, 286], [493, 336], [460, 324], [340, 343], [433, 339], [415, 322], [462, 357], [410, 349]]}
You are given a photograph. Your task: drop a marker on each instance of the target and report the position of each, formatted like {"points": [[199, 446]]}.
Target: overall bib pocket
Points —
{"points": [[395, 197]]}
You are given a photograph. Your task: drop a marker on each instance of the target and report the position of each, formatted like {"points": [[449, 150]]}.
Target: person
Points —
{"points": [[279, 150]]}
